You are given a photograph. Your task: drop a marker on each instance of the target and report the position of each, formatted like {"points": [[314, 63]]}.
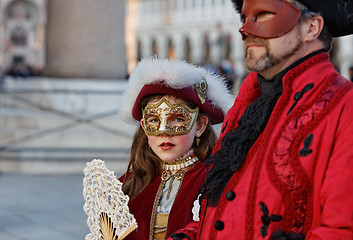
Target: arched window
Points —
{"points": [[19, 37], [21, 10]]}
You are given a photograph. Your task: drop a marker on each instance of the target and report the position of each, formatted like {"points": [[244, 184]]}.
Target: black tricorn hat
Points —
{"points": [[337, 14]]}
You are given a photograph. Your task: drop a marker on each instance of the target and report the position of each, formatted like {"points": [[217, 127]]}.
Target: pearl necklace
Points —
{"points": [[182, 162]]}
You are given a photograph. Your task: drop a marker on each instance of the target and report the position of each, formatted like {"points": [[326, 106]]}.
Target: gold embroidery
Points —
{"points": [[166, 174]]}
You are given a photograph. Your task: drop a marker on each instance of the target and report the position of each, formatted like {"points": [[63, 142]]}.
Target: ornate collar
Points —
{"points": [[187, 160]]}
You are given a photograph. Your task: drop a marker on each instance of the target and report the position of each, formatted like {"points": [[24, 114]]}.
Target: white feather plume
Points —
{"points": [[176, 74]]}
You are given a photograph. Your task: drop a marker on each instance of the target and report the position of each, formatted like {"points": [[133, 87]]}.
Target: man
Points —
{"points": [[282, 168]]}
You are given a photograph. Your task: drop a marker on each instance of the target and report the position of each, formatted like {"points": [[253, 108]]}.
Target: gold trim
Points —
{"points": [[183, 160], [164, 178], [154, 209], [153, 109]]}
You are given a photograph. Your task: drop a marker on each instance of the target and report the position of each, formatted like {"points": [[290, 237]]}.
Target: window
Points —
{"points": [[19, 37]]}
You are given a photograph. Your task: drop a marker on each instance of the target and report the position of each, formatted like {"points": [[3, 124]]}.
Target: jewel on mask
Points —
{"points": [[201, 89]]}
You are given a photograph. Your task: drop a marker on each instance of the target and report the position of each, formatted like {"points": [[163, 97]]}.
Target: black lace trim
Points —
{"points": [[235, 146]]}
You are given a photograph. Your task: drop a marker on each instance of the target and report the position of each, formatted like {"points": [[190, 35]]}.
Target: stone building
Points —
{"points": [[201, 31], [58, 121], [78, 38], [22, 34]]}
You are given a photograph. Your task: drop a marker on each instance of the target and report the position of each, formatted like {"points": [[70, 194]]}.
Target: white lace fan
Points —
{"points": [[105, 204]]}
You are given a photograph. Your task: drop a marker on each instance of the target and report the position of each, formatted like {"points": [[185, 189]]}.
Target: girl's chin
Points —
{"points": [[168, 160]]}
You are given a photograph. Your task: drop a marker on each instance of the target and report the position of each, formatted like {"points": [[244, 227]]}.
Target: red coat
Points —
{"points": [[180, 215], [300, 167]]}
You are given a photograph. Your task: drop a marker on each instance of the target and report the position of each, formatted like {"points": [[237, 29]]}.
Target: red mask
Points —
{"points": [[268, 18]]}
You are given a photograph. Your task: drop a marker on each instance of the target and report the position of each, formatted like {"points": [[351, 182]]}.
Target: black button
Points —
{"points": [[230, 195], [265, 220], [298, 96], [219, 225]]}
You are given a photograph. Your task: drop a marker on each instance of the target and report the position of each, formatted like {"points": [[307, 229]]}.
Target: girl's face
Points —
{"points": [[166, 144]]}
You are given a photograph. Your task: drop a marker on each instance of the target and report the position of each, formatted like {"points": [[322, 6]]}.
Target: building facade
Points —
{"points": [[69, 39], [202, 32], [22, 34]]}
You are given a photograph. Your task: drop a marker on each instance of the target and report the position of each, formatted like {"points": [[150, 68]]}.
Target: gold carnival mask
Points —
{"points": [[167, 118]]}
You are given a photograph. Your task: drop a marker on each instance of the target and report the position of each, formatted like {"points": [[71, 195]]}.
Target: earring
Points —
{"points": [[197, 139], [149, 144]]}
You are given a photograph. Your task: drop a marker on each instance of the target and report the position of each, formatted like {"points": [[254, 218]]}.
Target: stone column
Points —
{"points": [[85, 39]]}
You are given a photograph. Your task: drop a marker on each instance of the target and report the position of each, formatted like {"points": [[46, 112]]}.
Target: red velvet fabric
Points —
{"points": [[307, 182], [213, 112], [180, 215]]}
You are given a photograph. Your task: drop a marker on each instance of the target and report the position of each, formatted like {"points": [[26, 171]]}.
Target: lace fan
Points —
{"points": [[106, 206]]}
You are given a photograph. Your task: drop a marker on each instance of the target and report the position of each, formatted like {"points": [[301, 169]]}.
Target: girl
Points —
{"points": [[175, 104]]}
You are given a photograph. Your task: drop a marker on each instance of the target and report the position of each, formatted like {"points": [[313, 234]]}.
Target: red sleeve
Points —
{"points": [[190, 230], [335, 206]]}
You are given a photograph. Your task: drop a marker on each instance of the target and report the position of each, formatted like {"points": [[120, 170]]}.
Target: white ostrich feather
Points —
{"points": [[105, 204], [176, 74]]}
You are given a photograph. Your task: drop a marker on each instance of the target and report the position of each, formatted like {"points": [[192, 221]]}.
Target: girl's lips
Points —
{"points": [[166, 145]]}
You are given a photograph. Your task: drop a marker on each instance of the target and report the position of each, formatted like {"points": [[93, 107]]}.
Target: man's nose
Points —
{"points": [[243, 33]]}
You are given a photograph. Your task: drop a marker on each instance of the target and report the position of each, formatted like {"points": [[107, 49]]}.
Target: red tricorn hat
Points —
{"points": [[163, 76]]}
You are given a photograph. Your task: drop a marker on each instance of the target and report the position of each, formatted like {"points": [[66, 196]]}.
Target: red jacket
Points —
{"points": [[300, 167], [180, 215]]}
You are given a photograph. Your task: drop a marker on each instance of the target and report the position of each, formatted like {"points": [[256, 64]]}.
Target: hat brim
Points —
{"points": [[214, 113]]}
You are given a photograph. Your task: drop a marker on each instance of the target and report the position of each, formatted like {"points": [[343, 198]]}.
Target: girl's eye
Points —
{"points": [[178, 119], [152, 120]]}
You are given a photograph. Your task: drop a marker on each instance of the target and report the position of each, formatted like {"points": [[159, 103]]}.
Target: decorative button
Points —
{"points": [[265, 220], [298, 96], [230, 195], [219, 225]]}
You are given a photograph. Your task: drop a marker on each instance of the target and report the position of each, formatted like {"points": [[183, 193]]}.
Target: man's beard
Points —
{"points": [[269, 59]]}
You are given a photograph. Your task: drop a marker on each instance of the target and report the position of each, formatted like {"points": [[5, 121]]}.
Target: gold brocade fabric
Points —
{"points": [[160, 228]]}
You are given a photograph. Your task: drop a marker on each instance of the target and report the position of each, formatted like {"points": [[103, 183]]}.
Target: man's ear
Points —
{"points": [[313, 28]]}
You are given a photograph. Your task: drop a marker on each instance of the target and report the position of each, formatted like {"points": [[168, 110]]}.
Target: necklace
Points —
{"points": [[180, 165], [182, 162]]}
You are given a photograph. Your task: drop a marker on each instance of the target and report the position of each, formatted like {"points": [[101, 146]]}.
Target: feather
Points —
{"points": [[175, 74]]}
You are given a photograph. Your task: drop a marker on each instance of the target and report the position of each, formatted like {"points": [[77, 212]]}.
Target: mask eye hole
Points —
{"points": [[152, 120], [263, 16], [177, 120]]}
